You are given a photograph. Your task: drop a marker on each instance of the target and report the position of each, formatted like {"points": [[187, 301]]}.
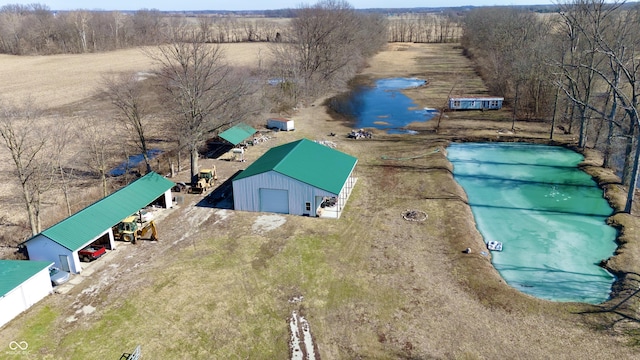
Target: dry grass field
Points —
{"points": [[222, 284], [54, 81]]}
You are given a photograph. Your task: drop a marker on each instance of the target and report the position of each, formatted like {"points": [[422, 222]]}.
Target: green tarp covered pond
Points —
{"points": [[549, 215]]}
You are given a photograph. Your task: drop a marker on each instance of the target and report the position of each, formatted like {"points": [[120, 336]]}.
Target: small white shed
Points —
{"points": [[22, 284], [280, 124]]}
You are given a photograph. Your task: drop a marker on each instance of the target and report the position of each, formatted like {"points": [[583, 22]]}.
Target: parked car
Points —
{"points": [[91, 253], [58, 276]]}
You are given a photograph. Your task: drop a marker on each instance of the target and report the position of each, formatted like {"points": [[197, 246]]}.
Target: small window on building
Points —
{"points": [[307, 206]]}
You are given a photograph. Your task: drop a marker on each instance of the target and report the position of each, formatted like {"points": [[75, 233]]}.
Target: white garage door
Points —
{"points": [[273, 200]]}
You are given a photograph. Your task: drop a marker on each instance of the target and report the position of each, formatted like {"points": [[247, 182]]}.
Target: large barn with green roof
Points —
{"points": [[299, 178], [60, 243]]}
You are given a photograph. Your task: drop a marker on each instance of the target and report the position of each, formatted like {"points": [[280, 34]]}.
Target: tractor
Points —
{"points": [[206, 179], [130, 230]]}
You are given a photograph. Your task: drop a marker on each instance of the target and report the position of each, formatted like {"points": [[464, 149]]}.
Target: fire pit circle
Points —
{"points": [[414, 215]]}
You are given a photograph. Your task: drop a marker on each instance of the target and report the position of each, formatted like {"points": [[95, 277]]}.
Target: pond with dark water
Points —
{"points": [[383, 106], [549, 215], [132, 162]]}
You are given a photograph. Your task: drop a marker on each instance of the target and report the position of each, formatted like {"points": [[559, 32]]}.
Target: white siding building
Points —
{"points": [[22, 284]]}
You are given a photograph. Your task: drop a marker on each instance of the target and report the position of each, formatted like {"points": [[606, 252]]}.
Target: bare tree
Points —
{"points": [[61, 138], [99, 140], [126, 95], [11, 29], [611, 33], [511, 49], [204, 94], [148, 26], [586, 21], [205, 24], [269, 30], [328, 43], [25, 141]]}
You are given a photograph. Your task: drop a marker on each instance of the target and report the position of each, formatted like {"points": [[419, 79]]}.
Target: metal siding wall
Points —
{"points": [[472, 104], [246, 192], [12, 305], [37, 287], [44, 249], [300, 193], [243, 195], [168, 199]]}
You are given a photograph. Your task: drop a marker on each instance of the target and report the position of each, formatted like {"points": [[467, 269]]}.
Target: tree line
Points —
{"points": [[426, 27], [578, 69], [36, 30], [193, 94]]}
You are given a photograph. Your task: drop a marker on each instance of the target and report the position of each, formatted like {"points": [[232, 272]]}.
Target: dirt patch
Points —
{"points": [[267, 223]]}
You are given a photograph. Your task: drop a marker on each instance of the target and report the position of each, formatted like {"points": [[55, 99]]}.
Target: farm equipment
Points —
{"points": [[130, 230], [206, 179]]}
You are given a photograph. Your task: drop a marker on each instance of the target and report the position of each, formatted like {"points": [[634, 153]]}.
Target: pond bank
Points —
{"points": [[624, 263]]}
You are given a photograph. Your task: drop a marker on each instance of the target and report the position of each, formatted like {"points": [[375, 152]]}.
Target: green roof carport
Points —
{"points": [[237, 134], [75, 231]]}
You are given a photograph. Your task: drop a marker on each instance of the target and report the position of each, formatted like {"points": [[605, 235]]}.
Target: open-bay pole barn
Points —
{"points": [[299, 178]]}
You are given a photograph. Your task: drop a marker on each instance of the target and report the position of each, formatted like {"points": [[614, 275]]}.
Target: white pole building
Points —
{"points": [[22, 284]]}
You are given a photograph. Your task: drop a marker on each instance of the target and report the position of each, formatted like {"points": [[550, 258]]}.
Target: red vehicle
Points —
{"points": [[91, 253]]}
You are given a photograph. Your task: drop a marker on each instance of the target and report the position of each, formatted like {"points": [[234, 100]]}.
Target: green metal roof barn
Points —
{"points": [[296, 178]]}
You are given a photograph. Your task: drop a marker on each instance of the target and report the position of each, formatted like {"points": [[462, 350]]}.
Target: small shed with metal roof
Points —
{"points": [[238, 133], [61, 242], [22, 284], [300, 178]]}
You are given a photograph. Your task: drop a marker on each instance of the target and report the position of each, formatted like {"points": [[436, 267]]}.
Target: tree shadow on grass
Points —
{"points": [[625, 308]]}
